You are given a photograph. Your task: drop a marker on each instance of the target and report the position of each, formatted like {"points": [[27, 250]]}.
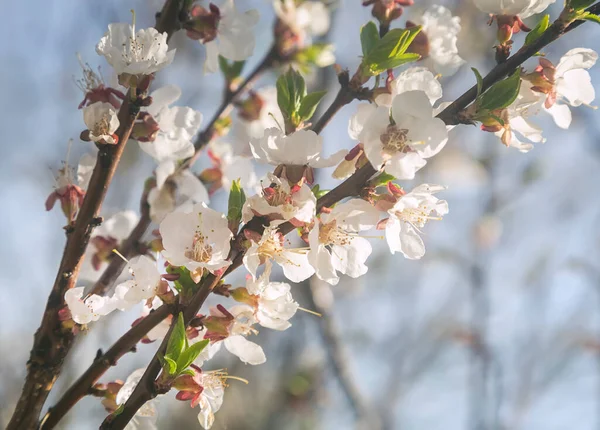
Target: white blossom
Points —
{"points": [[146, 416], [179, 192], [404, 146], [335, 245], [275, 304], [306, 19], [211, 398], [523, 8], [198, 240], [300, 148], [441, 30], [88, 309], [412, 79], [235, 37], [519, 132], [294, 262], [143, 286], [279, 201], [269, 117], [102, 122], [573, 84], [409, 215], [236, 343], [141, 53], [177, 125], [233, 167]]}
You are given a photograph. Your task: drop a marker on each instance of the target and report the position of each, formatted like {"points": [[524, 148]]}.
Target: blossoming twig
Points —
{"points": [[51, 343], [101, 364], [451, 115], [146, 389]]}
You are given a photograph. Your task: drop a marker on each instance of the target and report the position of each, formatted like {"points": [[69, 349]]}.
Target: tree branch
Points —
{"points": [[351, 187], [51, 341], [82, 386], [451, 115]]}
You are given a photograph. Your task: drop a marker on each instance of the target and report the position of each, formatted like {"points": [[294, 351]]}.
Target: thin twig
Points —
{"points": [[51, 341], [84, 384], [146, 389]]}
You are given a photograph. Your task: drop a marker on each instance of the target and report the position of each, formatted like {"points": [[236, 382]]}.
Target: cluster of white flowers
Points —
{"points": [[550, 89], [396, 133]]}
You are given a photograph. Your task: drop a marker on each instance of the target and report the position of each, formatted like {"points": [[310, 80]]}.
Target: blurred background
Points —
{"points": [[497, 327]]}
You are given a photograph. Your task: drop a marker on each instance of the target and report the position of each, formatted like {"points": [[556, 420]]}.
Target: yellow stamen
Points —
{"points": [[308, 311], [120, 255]]}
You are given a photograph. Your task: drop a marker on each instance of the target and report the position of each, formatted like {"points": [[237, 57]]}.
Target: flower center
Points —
{"points": [[102, 126], [201, 250], [417, 217], [331, 234], [394, 140], [275, 196]]}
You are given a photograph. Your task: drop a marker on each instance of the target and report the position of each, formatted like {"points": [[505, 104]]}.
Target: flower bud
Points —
{"points": [[420, 44], [250, 109], [204, 23]]}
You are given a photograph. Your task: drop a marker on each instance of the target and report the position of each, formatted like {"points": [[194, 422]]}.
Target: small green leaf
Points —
{"points": [[185, 284], [390, 51], [187, 372], [188, 356], [538, 30], [178, 339], [171, 365], [318, 192], [479, 80], [592, 17], [369, 37], [237, 198], [291, 89], [501, 94], [381, 179], [580, 4], [309, 105], [283, 96], [231, 70]]}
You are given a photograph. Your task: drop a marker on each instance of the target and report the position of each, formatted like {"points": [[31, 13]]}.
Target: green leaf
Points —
{"points": [[188, 356], [237, 198], [185, 283], [187, 372], [592, 17], [291, 89], [580, 4], [381, 179], [538, 30], [390, 51], [501, 94], [178, 339], [309, 105], [318, 192], [171, 365], [369, 37], [479, 80], [284, 99], [231, 70]]}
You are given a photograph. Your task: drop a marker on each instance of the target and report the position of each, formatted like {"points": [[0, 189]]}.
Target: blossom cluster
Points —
{"points": [[396, 130]]}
